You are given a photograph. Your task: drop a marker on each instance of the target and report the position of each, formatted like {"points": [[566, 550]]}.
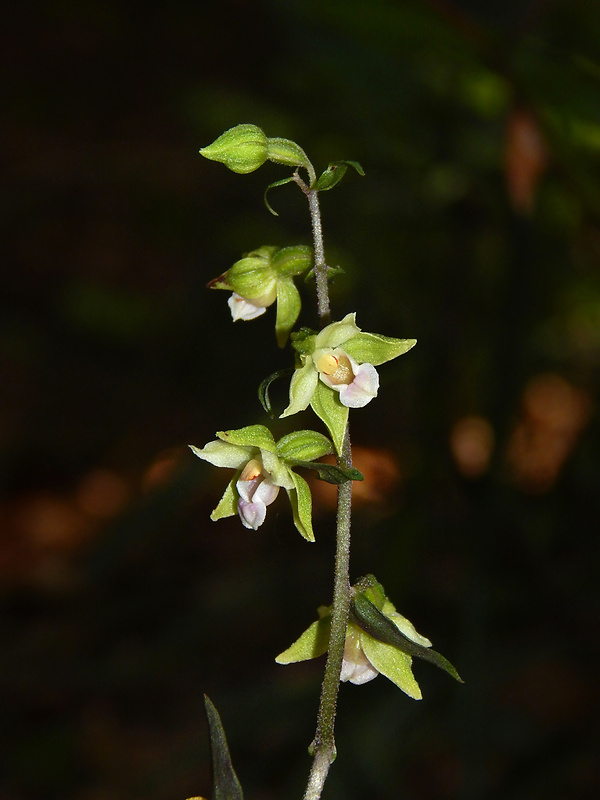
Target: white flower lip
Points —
{"points": [[254, 497], [362, 388], [243, 309]]}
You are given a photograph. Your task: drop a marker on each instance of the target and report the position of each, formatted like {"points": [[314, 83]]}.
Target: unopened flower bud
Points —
{"points": [[243, 148]]}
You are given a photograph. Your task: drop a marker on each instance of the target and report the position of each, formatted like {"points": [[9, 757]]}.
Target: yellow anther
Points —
{"points": [[251, 471]]}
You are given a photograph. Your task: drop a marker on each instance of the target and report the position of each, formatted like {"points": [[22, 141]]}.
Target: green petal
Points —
{"points": [[371, 348], [228, 503], [304, 445], [326, 405], [302, 387], [280, 472], [251, 436], [338, 332], [223, 454], [301, 500], [392, 663], [288, 309], [312, 644]]}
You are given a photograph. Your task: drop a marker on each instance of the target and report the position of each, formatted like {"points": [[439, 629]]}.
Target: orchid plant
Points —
{"points": [[334, 372]]}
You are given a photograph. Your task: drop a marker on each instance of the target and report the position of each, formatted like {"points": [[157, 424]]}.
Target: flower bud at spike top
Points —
{"points": [[243, 149]]}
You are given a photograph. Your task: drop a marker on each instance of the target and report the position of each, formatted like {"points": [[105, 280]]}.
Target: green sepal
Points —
{"points": [[294, 260], [331, 473], [303, 446], [226, 785], [242, 149], [301, 500], [251, 277], [282, 182], [368, 617], [326, 405], [311, 644], [251, 436], [393, 663], [287, 152], [228, 504], [263, 389], [334, 174], [338, 333], [376, 349], [289, 305]]}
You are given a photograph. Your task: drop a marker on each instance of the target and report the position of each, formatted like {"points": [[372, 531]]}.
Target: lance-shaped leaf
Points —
{"points": [[263, 389], [368, 617], [281, 182], [332, 474], [226, 785], [334, 174]]}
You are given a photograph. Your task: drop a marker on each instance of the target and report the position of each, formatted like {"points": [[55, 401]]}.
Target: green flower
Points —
{"points": [[336, 371], [263, 466], [262, 277], [364, 655]]}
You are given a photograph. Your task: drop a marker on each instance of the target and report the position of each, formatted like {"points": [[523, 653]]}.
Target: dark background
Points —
{"points": [[475, 230]]}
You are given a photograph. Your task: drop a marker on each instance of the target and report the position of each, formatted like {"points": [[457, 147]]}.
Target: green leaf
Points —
{"points": [[226, 785], [263, 389], [311, 644], [326, 405], [303, 445], [301, 500], [251, 436], [331, 473], [368, 617], [375, 349], [288, 309], [282, 182], [334, 174], [332, 272]]}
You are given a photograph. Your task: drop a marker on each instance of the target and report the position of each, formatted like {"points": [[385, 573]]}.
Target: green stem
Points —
{"points": [[320, 265], [323, 745]]}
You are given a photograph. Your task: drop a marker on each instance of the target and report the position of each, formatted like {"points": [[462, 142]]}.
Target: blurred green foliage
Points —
{"points": [[475, 231]]}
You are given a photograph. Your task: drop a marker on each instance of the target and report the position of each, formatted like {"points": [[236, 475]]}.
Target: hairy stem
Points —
{"points": [[320, 265], [323, 745]]}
